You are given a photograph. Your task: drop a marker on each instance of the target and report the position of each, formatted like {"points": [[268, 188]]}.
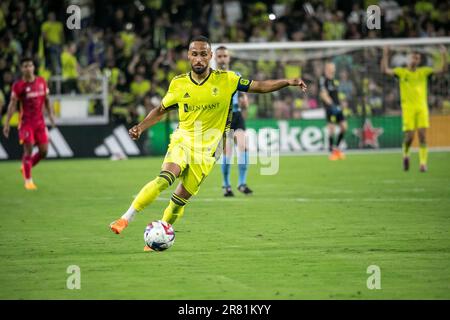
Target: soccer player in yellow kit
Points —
{"points": [[203, 100], [413, 94]]}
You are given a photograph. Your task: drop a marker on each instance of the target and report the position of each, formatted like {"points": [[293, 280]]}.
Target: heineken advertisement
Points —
{"points": [[292, 136]]}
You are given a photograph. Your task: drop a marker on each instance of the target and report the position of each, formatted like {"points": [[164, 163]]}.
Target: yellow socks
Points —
{"points": [[151, 190], [174, 210], [423, 154]]}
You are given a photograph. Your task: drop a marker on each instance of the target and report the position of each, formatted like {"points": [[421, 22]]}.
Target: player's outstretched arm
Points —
{"points": [[11, 109], [444, 67], [274, 85], [385, 64], [151, 119]]}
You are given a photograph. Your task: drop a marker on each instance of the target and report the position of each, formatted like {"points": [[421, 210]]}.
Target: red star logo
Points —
{"points": [[368, 135]]}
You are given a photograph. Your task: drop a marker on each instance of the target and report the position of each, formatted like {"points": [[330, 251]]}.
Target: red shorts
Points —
{"points": [[29, 134]]}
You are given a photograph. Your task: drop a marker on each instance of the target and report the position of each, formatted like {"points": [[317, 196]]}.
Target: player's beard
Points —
{"points": [[198, 69]]}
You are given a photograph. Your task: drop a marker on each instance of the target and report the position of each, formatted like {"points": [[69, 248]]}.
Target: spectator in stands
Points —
{"points": [[128, 36], [70, 69], [149, 40], [334, 27], [122, 105], [7, 81], [346, 86], [139, 87], [2, 17], [281, 33], [151, 101], [53, 35], [118, 22], [2, 103], [311, 100]]}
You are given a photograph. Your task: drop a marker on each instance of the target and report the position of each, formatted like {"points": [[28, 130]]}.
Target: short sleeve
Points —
{"points": [[15, 91], [47, 91], [240, 83], [44, 27], [170, 99], [399, 72], [426, 71]]}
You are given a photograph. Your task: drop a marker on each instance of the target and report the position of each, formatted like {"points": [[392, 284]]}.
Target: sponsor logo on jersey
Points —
{"points": [[201, 107]]}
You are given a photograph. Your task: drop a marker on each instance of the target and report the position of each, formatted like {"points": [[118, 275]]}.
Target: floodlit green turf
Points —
{"points": [[311, 231]]}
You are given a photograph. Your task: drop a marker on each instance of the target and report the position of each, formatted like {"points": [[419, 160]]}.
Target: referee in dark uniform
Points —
{"points": [[328, 87]]}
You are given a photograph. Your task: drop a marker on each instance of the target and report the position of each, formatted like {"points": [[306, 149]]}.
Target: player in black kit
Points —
{"points": [[328, 87]]}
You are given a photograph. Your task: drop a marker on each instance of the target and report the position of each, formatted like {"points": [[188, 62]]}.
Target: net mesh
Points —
{"points": [[364, 90]]}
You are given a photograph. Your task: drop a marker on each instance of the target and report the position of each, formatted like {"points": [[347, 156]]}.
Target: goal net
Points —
{"points": [[370, 99]]}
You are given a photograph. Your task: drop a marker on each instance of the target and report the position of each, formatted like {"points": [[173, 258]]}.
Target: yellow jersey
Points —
{"points": [[69, 65], [204, 109], [54, 31], [413, 87], [139, 89]]}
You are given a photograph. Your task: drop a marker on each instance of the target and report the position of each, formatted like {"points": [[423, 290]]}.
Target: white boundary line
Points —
{"points": [[360, 151], [276, 199]]}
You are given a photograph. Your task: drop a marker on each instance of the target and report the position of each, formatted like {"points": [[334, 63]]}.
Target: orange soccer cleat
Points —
{"points": [[118, 225], [29, 185], [341, 155], [147, 249], [334, 156]]}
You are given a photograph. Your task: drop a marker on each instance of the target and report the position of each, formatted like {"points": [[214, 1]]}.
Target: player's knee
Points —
{"points": [[408, 137], [43, 153], [179, 203], [27, 150], [165, 179]]}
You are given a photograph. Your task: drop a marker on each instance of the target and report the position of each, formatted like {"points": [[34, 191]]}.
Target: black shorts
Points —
{"points": [[334, 116], [237, 121]]}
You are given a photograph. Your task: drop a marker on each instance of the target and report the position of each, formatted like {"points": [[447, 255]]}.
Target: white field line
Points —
{"points": [[276, 199], [362, 152]]}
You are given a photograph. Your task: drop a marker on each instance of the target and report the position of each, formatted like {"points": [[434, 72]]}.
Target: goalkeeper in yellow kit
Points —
{"points": [[413, 82], [203, 100]]}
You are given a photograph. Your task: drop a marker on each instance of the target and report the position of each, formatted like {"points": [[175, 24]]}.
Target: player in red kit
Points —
{"points": [[32, 93]]}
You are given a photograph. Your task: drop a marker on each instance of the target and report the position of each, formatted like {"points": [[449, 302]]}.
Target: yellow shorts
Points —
{"points": [[195, 167], [415, 119]]}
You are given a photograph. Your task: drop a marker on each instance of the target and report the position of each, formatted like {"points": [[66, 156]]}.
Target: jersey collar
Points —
{"points": [[34, 79], [204, 80]]}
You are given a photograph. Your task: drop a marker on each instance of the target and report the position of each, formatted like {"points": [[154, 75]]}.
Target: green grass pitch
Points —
{"points": [[308, 232]]}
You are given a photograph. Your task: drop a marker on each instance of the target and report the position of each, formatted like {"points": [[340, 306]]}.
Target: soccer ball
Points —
{"points": [[159, 235]]}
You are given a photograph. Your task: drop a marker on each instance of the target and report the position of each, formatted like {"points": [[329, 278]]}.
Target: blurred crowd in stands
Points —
{"points": [[141, 44]]}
